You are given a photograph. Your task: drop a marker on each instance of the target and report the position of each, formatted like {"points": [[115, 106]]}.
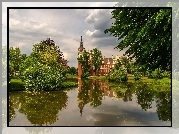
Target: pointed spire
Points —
{"points": [[81, 38]]}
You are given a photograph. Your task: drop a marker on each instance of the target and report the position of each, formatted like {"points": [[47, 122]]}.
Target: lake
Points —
{"points": [[94, 103]]}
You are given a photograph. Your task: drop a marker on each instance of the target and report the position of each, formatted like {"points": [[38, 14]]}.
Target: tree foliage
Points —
{"points": [[72, 70], [85, 62], [49, 45], [42, 69], [96, 59], [146, 33], [15, 60]]}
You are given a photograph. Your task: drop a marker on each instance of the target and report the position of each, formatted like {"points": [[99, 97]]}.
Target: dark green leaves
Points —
{"points": [[146, 33]]}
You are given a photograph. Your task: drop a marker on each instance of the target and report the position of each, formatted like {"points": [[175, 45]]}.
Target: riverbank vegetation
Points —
{"points": [[44, 69]]}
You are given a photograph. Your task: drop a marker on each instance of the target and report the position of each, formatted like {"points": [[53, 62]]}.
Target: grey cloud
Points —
{"points": [[99, 34], [107, 41], [63, 26]]}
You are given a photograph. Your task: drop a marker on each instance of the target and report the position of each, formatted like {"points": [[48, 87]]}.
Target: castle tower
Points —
{"points": [[80, 52]]}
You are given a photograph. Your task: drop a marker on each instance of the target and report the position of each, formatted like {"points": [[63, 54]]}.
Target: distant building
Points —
{"points": [[107, 63], [64, 63]]}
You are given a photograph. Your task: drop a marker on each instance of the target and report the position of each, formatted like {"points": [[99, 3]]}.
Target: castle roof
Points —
{"points": [[106, 60]]}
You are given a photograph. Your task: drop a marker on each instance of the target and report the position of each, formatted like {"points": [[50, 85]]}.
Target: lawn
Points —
{"points": [[18, 85]]}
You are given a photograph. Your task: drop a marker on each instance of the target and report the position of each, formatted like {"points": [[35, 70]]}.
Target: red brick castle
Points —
{"points": [[107, 63]]}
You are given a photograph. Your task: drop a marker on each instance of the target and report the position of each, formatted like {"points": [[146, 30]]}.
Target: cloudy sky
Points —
{"points": [[65, 27]]}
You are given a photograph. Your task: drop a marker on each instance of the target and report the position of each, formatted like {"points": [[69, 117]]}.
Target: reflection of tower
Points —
{"points": [[81, 105], [79, 84], [80, 52], [80, 102]]}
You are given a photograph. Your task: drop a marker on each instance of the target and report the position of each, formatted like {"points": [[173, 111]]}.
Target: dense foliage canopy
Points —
{"points": [[96, 59], [146, 33]]}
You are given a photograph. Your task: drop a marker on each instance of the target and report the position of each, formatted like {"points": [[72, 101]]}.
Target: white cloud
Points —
{"points": [[88, 33], [64, 26]]}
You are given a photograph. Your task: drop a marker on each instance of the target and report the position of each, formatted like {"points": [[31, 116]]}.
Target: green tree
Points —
{"points": [[49, 43], [15, 58], [146, 33], [42, 69], [97, 59], [72, 70], [85, 62]]}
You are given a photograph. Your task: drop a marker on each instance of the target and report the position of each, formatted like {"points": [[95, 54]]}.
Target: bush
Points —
{"points": [[16, 86], [137, 75], [117, 75], [42, 77], [157, 74], [166, 74]]}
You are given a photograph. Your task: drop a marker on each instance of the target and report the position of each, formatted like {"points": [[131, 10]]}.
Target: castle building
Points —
{"points": [[107, 63]]}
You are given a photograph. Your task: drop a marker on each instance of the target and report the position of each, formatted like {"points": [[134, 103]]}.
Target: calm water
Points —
{"points": [[94, 103]]}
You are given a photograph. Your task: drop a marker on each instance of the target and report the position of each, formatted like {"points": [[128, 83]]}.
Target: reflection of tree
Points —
{"points": [[144, 95], [96, 94], [12, 113], [123, 90], [14, 103], [90, 91], [164, 105], [83, 95], [42, 108]]}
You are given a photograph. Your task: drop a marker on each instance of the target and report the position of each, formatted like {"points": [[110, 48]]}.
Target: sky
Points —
{"points": [[26, 35], [65, 27]]}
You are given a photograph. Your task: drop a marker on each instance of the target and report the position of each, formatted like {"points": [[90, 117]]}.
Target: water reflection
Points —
{"points": [[40, 108], [93, 91], [43, 108]]}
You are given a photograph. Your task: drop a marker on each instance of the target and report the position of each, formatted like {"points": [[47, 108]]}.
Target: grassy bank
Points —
{"points": [[131, 79], [18, 85], [98, 77]]}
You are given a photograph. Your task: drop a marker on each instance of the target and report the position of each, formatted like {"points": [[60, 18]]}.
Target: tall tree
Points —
{"points": [[146, 33], [15, 58], [85, 62], [96, 58], [72, 70], [50, 44], [42, 69]]}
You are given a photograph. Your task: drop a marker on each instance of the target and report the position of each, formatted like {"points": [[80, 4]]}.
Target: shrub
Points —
{"points": [[16, 86], [42, 77], [137, 75], [166, 74], [117, 75], [157, 74]]}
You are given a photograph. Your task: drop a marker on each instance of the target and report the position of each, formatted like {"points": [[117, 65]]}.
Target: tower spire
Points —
{"points": [[81, 38]]}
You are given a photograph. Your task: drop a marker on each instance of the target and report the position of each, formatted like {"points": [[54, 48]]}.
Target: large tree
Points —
{"points": [[85, 62], [15, 60], [15, 57], [146, 33], [72, 70], [42, 69], [50, 44], [96, 59]]}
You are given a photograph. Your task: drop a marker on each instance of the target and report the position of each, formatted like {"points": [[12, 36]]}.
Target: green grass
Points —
{"points": [[72, 76], [97, 77], [18, 85], [146, 79]]}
